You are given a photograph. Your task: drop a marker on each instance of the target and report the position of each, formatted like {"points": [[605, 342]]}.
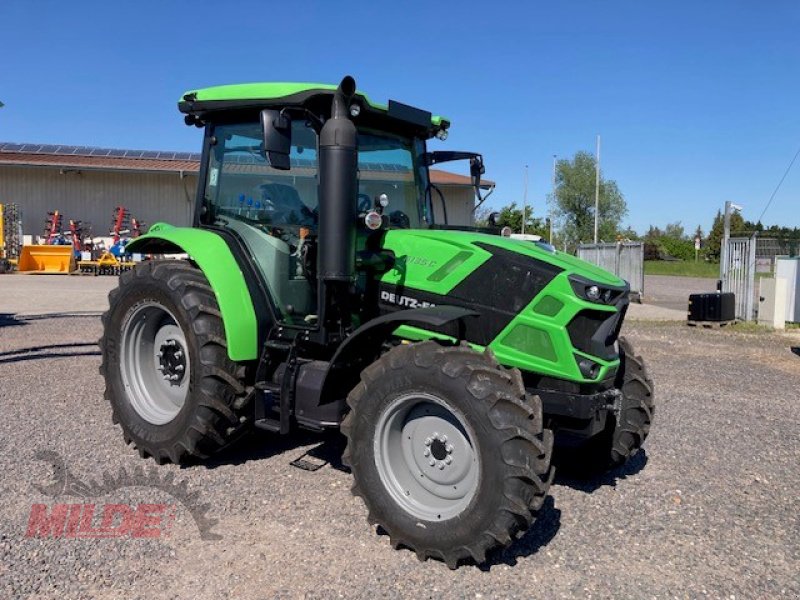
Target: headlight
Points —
{"points": [[597, 293]]}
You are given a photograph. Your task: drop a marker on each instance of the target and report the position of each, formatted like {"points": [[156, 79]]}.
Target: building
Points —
{"points": [[86, 184]]}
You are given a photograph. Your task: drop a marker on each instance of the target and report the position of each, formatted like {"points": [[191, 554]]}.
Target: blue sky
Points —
{"points": [[696, 102]]}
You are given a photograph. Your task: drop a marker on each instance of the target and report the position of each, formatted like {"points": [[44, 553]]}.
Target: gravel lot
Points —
{"points": [[710, 509]]}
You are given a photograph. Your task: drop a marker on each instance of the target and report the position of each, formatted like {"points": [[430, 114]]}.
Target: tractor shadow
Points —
{"points": [[321, 449], [541, 533], [572, 474]]}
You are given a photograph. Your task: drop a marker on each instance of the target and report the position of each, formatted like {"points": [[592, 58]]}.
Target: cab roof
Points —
{"points": [[244, 96]]}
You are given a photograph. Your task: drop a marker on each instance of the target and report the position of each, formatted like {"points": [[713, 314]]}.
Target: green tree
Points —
{"points": [[575, 194], [674, 231], [511, 216], [714, 242], [653, 233], [629, 233]]}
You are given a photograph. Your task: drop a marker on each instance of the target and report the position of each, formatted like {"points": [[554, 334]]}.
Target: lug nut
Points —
{"points": [[179, 367], [449, 448], [427, 452], [443, 438], [448, 459], [441, 466], [432, 462], [178, 353], [428, 441]]}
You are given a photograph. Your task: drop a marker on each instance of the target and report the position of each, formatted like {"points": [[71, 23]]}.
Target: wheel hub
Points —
{"points": [[155, 362], [426, 457], [172, 361], [438, 451]]}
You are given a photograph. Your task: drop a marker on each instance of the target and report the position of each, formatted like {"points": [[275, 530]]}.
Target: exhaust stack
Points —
{"points": [[338, 188]]}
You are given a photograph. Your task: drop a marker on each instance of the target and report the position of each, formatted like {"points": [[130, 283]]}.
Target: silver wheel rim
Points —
{"points": [[426, 457], [154, 360]]}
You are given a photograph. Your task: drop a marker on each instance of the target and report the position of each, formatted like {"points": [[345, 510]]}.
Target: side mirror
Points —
{"points": [[476, 169], [277, 132]]}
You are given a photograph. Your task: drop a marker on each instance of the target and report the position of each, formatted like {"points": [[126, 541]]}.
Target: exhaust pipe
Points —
{"points": [[338, 189]]}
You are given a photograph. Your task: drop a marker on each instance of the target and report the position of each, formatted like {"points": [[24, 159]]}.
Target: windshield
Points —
{"points": [[241, 185], [390, 165]]}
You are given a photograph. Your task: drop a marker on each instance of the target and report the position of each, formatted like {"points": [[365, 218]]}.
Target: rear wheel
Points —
{"points": [[169, 380], [447, 450]]}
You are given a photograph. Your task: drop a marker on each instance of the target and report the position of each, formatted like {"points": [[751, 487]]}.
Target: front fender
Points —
{"points": [[364, 345], [210, 252]]}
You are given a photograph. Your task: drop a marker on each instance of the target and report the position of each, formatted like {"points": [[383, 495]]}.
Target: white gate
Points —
{"points": [[738, 274], [623, 259]]}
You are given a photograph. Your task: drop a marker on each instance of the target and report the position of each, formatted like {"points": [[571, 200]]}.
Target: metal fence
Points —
{"points": [[738, 274], [624, 259]]}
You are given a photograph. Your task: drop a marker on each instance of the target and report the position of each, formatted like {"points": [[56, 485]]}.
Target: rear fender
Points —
{"points": [[212, 255]]}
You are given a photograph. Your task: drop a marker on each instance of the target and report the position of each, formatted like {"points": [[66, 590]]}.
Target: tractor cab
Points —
{"points": [[260, 178]]}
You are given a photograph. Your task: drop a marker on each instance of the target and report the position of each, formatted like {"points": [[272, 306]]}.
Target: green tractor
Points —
{"points": [[316, 291]]}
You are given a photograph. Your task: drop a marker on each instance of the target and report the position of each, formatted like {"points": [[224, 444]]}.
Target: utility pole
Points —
{"points": [[553, 199], [597, 189], [525, 199]]}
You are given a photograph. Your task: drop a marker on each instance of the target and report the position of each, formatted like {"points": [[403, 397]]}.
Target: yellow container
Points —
{"points": [[46, 259]]}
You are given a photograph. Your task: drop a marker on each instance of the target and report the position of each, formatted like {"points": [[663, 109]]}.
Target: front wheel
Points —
{"points": [[447, 450], [625, 431]]}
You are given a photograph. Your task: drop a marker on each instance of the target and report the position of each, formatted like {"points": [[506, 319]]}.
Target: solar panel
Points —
{"points": [[63, 150]]}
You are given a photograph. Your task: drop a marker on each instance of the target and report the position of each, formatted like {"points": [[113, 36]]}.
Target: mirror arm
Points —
{"points": [[482, 199], [439, 156]]}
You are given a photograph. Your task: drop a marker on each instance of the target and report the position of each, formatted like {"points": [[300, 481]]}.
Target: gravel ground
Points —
{"points": [[709, 509]]}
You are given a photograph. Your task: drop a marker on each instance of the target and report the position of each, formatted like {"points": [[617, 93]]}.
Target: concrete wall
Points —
{"points": [[460, 200], [91, 196]]}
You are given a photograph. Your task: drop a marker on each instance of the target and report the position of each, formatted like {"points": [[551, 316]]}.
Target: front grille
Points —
{"points": [[595, 332]]}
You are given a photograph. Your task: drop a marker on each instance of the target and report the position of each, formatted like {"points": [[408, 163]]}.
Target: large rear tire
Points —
{"points": [[172, 388], [447, 450]]}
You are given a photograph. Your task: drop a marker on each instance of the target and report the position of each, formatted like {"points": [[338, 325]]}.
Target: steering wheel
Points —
{"points": [[400, 219], [364, 203]]}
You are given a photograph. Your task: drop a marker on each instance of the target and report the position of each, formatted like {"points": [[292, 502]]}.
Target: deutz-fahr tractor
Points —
{"points": [[315, 289]]}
